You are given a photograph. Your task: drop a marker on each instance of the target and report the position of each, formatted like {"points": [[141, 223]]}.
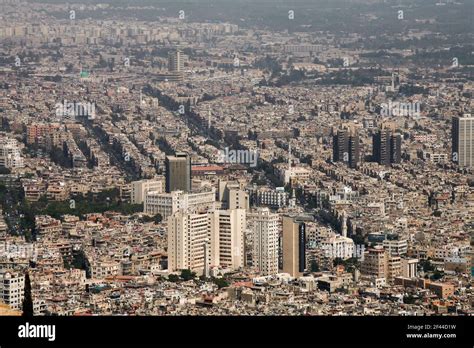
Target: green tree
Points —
{"points": [[220, 282], [186, 275], [173, 278], [314, 266]]}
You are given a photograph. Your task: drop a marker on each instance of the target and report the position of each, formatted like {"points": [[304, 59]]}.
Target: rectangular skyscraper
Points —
{"points": [[294, 245], [175, 61], [387, 147], [463, 140], [178, 172], [264, 228], [201, 241], [346, 147]]}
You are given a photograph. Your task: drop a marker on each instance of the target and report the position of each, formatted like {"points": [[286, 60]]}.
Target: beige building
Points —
{"points": [[264, 227], [200, 241], [227, 238], [463, 140], [380, 264], [178, 172], [374, 263], [140, 188], [293, 247], [188, 242], [238, 199]]}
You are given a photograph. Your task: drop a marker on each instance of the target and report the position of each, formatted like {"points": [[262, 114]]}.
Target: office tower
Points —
{"points": [[387, 147], [188, 236], [201, 241], [294, 247], [346, 147], [265, 232], [227, 231], [463, 140], [166, 204], [176, 61], [340, 146], [354, 155], [178, 172], [396, 148]]}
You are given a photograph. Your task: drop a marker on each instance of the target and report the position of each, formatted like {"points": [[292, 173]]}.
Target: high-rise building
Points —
{"points": [[201, 241], [387, 147], [188, 242], [176, 61], [346, 147], [227, 238], [265, 232], [178, 172], [463, 140], [294, 247]]}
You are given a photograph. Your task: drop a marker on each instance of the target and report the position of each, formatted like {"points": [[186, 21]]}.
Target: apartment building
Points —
{"points": [[10, 154], [201, 241], [12, 288], [264, 227]]}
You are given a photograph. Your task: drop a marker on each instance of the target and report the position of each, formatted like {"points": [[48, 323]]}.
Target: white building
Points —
{"points": [[201, 241], [338, 246], [10, 154], [166, 204], [188, 241], [140, 188], [227, 238], [300, 174], [396, 247], [12, 288], [274, 198], [264, 227]]}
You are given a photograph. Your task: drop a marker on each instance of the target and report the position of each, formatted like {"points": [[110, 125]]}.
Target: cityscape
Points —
{"points": [[236, 158]]}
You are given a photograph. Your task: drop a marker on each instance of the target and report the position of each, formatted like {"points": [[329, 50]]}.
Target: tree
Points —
{"points": [[437, 275], [220, 282], [427, 266], [314, 266], [173, 278], [186, 274], [27, 300]]}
